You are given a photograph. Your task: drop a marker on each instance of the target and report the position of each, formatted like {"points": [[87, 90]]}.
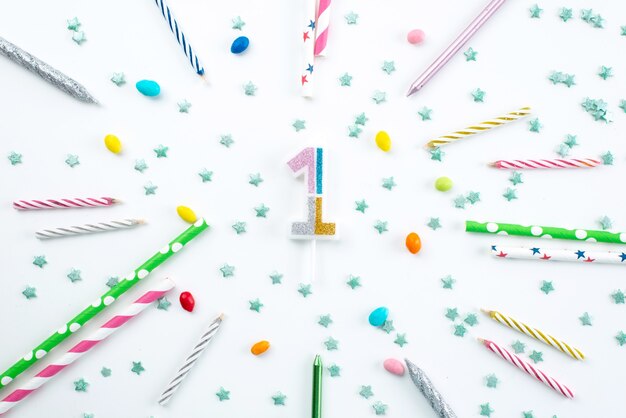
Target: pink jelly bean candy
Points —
{"points": [[416, 36], [394, 366]]}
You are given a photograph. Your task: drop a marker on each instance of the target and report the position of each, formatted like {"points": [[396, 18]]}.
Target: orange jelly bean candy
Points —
{"points": [[260, 347], [413, 243]]}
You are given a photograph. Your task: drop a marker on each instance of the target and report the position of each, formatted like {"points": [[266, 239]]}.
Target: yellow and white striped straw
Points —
{"points": [[536, 334], [478, 128]]}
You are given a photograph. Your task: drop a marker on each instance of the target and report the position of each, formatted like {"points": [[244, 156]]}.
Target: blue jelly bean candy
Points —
{"points": [[239, 45], [378, 316], [148, 88]]}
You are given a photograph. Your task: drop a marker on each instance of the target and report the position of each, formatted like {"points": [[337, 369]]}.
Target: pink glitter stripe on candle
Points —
{"points": [[305, 159]]}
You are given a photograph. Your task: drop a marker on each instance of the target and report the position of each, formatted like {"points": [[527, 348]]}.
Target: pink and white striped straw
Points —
{"points": [[85, 345], [528, 368], [78, 202], [552, 163], [321, 27]]}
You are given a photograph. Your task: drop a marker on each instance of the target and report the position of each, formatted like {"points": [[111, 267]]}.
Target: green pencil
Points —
{"points": [[316, 410]]}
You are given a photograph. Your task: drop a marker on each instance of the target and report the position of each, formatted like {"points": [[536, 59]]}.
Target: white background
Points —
{"points": [[515, 56]]}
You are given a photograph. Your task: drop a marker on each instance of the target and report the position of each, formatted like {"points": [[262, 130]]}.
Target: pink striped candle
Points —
{"points": [[74, 353], [553, 163], [78, 202], [528, 368], [321, 27]]}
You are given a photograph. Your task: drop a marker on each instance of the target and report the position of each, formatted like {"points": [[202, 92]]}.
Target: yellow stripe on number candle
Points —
{"points": [[536, 334]]}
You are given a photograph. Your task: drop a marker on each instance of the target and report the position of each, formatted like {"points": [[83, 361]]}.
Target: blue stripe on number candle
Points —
{"points": [[319, 163]]}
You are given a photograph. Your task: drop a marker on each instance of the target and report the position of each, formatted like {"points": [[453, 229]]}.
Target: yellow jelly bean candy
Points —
{"points": [[113, 143], [260, 347], [186, 214], [383, 141]]}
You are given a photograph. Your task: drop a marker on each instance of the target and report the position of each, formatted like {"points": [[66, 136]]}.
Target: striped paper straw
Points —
{"points": [[76, 352], [536, 334], [321, 29], [190, 361], [559, 254], [78, 202], [478, 128], [308, 45], [528, 368], [551, 163], [69, 231]]}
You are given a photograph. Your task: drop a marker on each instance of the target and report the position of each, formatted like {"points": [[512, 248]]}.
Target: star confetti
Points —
{"points": [[535, 12], [460, 330], [345, 80], [473, 197], [163, 304], [491, 381], [238, 24], [299, 125], [607, 158], [518, 347], [379, 97], [388, 183], [183, 107], [424, 113], [161, 151], [360, 119], [354, 282], [29, 292], [605, 223], [618, 297], [331, 344], [536, 356], [594, 20], [279, 399], [585, 319], [379, 408], [141, 166], [249, 89], [334, 370], [479, 95], [118, 79], [366, 391], [255, 179], [261, 211], [381, 226], [622, 105], [226, 140], [621, 338], [605, 72], [597, 108], [15, 158], [206, 175], [105, 372], [40, 261], [150, 188], [570, 141], [81, 385], [471, 319], [255, 305], [452, 314], [325, 320], [137, 368], [112, 281], [623, 29], [510, 194], [388, 326], [351, 18], [72, 160], [361, 206], [229, 271], [223, 394], [528, 414], [470, 54], [516, 178], [276, 277], [389, 67], [433, 223], [354, 131], [459, 202], [74, 275], [73, 24], [566, 14], [79, 37], [563, 150], [436, 154], [305, 290], [400, 340], [486, 410], [556, 77], [534, 125], [546, 287], [447, 282], [239, 227]]}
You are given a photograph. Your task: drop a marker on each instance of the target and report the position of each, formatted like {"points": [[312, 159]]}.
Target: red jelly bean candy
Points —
{"points": [[187, 301]]}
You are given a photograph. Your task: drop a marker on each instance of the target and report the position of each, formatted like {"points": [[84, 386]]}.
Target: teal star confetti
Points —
{"points": [[623, 29], [361, 119], [29, 292], [361, 206], [563, 150], [86, 415], [597, 21], [534, 125], [305, 290], [586, 15], [618, 297], [460, 330], [535, 12], [621, 338], [570, 141], [486, 410], [161, 151], [112, 281], [470, 54], [516, 178], [118, 79], [597, 108], [325, 320], [447, 282], [388, 326], [226, 140], [546, 287], [388, 183], [73, 24], [81, 385], [141, 166], [354, 282], [389, 67], [331, 344], [622, 105], [459, 202], [137, 368], [556, 77], [206, 175], [566, 14], [379, 97], [150, 188], [519, 347], [436, 154], [255, 305], [605, 223], [473, 197], [249, 89], [261, 211], [471, 319], [79, 37], [400, 340], [424, 113], [163, 304], [452, 313], [605, 72], [381, 226], [279, 399], [585, 319], [72, 160], [491, 381], [607, 158], [434, 224], [351, 18], [334, 370], [239, 227], [345, 80], [299, 125], [528, 414], [255, 179], [276, 277], [510, 194], [40, 261], [183, 107], [366, 391], [105, 372], [238, 24], [569, 80], [478, 95], [354, 131], [536, 356], [74, 275], [15, 158], [229, 271], [223, 394], [379, 408]]}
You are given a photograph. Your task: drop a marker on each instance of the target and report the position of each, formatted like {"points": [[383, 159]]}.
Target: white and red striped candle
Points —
{"points": [[78, 202], [74, 353], [551, 163], [528, 368], [321, 27]]}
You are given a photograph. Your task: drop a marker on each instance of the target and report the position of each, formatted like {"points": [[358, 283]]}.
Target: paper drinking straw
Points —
{"points": [[77, 202], [76, 352], [308, 45], [190, 361], [536, 334], [455, 46], [528, 368], [546, 232], [432, 395], [318, 370], [321, 29], [45, 71], [478, 128], [559, 254], [551, 163], [102, 302], [69, 231]]}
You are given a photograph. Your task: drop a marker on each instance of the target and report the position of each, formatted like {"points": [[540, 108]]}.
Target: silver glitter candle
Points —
{"points": [[425, 386], [45, 71]]}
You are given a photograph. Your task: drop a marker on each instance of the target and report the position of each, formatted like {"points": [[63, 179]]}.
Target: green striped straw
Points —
{"points": [[546, 232], [102, 302]]}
